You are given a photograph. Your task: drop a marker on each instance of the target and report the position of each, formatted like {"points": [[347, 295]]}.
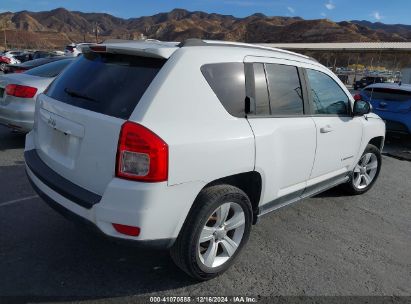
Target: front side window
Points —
{"points": [[328, 97], [285, 91]]}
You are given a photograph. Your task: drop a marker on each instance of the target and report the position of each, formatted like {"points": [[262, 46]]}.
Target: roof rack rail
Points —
{"points": [[200, 42]]}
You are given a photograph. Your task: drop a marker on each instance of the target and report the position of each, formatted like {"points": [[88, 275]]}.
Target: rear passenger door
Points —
{"points": [[339, 134], [285, 137]]}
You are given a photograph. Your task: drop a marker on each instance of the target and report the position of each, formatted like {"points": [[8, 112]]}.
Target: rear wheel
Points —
{"points": [[215, 231], [366, 171]]}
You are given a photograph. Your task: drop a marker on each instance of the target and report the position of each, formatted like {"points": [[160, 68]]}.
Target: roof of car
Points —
{"points": [[162, 49], [392, 86]]}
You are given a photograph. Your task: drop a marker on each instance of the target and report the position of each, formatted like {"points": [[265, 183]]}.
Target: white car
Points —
{"points": [[74, 50], [184, 146]]}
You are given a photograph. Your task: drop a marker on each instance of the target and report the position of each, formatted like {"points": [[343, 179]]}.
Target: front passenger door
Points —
{"points": [[338, 132]]}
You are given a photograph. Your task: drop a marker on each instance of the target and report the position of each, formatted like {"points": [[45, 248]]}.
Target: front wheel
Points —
{"points": [[366, 171], [215, 231]]}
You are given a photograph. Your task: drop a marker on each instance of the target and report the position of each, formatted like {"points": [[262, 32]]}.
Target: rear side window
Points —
{"points": [[228, 82], [256, 89], [285, 91], [387, 94], [51, 69], [110, 84]]}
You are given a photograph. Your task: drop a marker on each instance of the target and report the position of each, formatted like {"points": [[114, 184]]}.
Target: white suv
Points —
{"points": [[185, 146]]}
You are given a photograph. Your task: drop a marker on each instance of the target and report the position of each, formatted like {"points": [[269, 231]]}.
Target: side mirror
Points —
{"points": [[361, 107]]}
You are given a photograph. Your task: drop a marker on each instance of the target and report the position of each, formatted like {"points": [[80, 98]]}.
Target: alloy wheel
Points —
{"points": [[221, 235], [365, 171]]}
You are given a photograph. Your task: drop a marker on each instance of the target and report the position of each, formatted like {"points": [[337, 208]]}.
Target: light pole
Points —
{"points": [[5, 23], [96, 31]]}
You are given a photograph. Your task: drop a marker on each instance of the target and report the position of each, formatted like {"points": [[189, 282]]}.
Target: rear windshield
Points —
{"points": [[387, 94], [110, 84], [51, 69]]}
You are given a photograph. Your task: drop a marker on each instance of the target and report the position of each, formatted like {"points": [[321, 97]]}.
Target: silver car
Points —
{"points": [[18, 94]]}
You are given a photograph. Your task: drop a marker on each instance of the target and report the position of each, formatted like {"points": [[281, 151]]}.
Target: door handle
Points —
{"points": [[326, 129]]}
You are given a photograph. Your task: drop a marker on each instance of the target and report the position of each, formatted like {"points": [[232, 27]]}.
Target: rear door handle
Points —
{"points": [[326, 129]]}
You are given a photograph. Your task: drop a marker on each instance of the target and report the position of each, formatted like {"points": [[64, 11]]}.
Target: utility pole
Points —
{"points": [[95, 29], [5, 23]]}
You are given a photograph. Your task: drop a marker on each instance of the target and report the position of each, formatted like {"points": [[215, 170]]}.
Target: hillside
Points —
{"points": [[55, 28]]}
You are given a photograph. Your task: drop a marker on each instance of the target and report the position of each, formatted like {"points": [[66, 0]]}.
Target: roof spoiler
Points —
{"points": [[134, 48]]}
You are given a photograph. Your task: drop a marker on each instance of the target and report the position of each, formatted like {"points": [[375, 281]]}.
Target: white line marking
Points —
{"points": [[18, 200]]}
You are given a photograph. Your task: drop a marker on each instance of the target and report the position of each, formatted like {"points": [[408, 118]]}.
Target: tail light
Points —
{"points": [[5, 59], [20, 91], [141, 154], [98, 48]]}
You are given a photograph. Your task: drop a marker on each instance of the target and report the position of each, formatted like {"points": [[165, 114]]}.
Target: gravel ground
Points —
{"points": [[330, 245]]}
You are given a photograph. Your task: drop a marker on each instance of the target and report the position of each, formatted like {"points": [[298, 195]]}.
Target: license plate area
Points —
{"points": [[56, 140]]}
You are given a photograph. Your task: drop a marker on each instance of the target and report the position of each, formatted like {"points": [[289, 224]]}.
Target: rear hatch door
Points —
{"points": [[389, 99], [79, 119]]}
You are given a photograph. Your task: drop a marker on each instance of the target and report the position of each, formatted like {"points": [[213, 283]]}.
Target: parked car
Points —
{"points": [[7, 59], [18, 93], [25, 66], [25, 56], [184, 146], [12, 53], [74, 50], [71, 50], [392, 102], [366, 81], [44, 54]]}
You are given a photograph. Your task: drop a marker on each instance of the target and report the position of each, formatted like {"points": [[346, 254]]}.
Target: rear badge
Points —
{"points": [[52, 122]]}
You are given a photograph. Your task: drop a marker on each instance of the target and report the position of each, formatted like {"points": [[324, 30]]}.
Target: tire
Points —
{"points": [[2, 66], [207, 213], [365, 172]]}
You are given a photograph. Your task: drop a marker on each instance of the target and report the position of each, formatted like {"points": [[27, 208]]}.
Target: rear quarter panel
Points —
{"points": [[205, 141]]}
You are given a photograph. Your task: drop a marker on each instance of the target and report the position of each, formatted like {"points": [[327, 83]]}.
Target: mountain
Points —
{"points": [[55, 28], [402, 30]]}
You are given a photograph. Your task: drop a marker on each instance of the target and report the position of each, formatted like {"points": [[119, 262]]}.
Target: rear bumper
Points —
{"points": [[72, 216], [18, 116], [158, 209], [396, 122]]}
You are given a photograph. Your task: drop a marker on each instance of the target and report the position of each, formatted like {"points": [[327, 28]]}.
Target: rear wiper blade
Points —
{"points": [[78, 95]]}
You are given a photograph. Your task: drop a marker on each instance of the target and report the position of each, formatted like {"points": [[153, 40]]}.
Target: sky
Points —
{"points": [[397, 11]]}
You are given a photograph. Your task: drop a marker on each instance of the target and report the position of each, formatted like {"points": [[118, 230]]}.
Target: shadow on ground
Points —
{"points": [[73, 263], [11, 140]]}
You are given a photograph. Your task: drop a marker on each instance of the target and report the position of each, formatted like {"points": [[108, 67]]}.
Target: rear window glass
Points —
{"points": [[228, 82], [106, 83], [284, 86], [51, 69], [387, 94]]}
